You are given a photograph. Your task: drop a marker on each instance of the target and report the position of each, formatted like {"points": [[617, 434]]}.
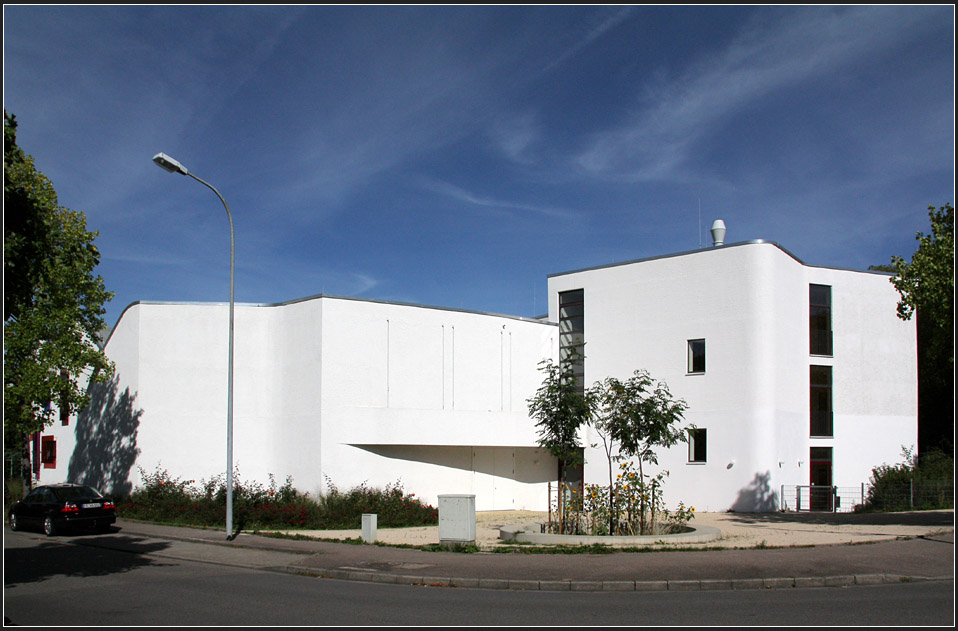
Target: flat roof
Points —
{"points": [[105, 335], [710, 249]]}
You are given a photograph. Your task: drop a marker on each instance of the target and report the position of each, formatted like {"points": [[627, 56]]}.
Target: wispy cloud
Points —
{"points": [[767, 56], [515, 135], [461, 195], [595, 32]]}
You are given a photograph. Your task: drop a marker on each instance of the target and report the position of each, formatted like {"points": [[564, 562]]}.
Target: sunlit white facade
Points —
{"points": [[346, 391]]}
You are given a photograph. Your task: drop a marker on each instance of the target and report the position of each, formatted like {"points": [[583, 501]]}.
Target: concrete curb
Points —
{"points": [[531, 533], [372, 576], [310, 566]]}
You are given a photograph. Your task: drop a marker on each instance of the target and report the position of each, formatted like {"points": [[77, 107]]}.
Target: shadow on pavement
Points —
{"points": [[910, 518], [57, 557]]}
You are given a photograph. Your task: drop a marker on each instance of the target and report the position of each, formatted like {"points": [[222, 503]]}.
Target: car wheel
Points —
{"points": [[13, 522], [49, 528]]}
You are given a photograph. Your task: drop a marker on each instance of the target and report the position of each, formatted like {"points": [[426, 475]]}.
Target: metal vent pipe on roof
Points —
{"points": [[718, 232]]}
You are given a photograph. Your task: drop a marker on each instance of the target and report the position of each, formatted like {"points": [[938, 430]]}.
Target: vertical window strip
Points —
{"points": [[820, 404], [572, 332], [820, 320]]}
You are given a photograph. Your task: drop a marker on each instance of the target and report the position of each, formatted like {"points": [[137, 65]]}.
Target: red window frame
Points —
{"points": [[48, 452]]}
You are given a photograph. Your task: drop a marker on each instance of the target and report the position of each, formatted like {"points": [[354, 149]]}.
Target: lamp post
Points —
{"points": [[167, 163]]}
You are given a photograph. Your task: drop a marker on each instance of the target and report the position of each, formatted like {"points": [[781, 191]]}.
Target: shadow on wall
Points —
{"points": [[106, 440], [529, 465], [757, 497]]}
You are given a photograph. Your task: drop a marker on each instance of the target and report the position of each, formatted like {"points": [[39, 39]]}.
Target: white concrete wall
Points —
{"points": [[875, 378], [333, 390], [750, 303], [435, 399], [353, 391]]}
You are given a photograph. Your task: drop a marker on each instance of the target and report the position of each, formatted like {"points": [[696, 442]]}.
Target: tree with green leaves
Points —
{"points": [[926, 286], [53, 304], [560, 408], [927, 283], [639, 415]]}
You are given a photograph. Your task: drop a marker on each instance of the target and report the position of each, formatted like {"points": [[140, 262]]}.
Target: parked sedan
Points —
{"points": [[59, 507]]}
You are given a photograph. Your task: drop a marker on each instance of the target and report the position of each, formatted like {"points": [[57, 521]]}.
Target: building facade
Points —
{"points": [[795, 376]]}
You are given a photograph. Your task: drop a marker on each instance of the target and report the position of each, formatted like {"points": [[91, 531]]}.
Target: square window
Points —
{"points": [[696, 356], [698, 443]]}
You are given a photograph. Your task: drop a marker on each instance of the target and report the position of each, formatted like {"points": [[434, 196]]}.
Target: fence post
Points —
{"points": [[911, 494]]}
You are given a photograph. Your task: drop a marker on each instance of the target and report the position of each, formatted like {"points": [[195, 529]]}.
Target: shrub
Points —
{"points": [[927, 483], [394, 508], [163, 498], [631, 506]]}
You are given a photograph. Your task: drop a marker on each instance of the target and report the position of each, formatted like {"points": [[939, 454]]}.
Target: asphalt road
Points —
{"points": [[151, 581]]}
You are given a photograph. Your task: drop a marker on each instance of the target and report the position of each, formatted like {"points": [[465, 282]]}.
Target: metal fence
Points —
{"points": [[885, 497], [923, 494], [833, 499]]}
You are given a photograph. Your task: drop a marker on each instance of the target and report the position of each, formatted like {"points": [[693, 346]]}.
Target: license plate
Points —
{"points": [[93, 505]]}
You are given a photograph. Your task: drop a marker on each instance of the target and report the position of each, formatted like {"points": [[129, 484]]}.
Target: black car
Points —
{"points": [[59, 507]]}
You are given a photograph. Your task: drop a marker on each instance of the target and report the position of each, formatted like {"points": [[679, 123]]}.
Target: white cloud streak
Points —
{"points": [[767, 57], [600, 29], [463, 196]]}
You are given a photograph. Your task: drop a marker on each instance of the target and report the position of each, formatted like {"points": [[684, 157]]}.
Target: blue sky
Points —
{"points": [[456, 156]]}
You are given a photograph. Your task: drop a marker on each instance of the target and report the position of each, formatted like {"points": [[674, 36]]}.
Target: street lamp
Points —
{"points": [[167, 163]]}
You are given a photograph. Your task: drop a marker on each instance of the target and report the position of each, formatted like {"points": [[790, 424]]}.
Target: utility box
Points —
{"points": [[457, 519], [369, 527]]}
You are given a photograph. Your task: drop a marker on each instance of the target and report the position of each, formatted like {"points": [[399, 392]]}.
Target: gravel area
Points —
{"points": [[739, 530]]}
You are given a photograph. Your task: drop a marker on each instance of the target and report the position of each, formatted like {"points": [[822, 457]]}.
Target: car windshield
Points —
{"points": [[73, 492]]}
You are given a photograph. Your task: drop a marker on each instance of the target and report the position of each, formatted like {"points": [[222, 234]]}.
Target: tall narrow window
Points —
{"points": [[698, 442], [821, 401], [820, 479], [820, 319], [64, 405], [696, 356], [572, 333]]}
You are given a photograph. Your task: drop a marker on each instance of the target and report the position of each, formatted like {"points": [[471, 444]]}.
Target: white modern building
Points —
{"points": [[794, 376]]}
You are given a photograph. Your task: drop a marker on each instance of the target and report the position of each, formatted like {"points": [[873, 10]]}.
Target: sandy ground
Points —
{"points": [[739, 530]]}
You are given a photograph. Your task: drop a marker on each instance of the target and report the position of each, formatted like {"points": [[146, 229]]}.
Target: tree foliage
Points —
{"points": [[560, 409], [926, 286], [53, 303], [927, 283], [639, 415]]}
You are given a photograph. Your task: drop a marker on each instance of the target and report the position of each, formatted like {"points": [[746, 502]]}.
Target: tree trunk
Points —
{"points": [[641, 500]]}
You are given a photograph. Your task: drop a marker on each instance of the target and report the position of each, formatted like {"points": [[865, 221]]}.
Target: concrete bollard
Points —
{"points": [[369, 527]]}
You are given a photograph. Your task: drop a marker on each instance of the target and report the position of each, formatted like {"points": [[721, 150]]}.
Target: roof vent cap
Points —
{"points": [[718, 232]]}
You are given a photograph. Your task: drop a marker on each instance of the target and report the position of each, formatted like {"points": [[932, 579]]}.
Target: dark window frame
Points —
{"points": [[64, 405], [821, 401], [572, 332], [696, 357], [698, 445], [820, 320]]}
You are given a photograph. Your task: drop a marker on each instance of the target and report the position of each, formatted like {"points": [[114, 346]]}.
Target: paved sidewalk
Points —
{"points": [[926, 556]]}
